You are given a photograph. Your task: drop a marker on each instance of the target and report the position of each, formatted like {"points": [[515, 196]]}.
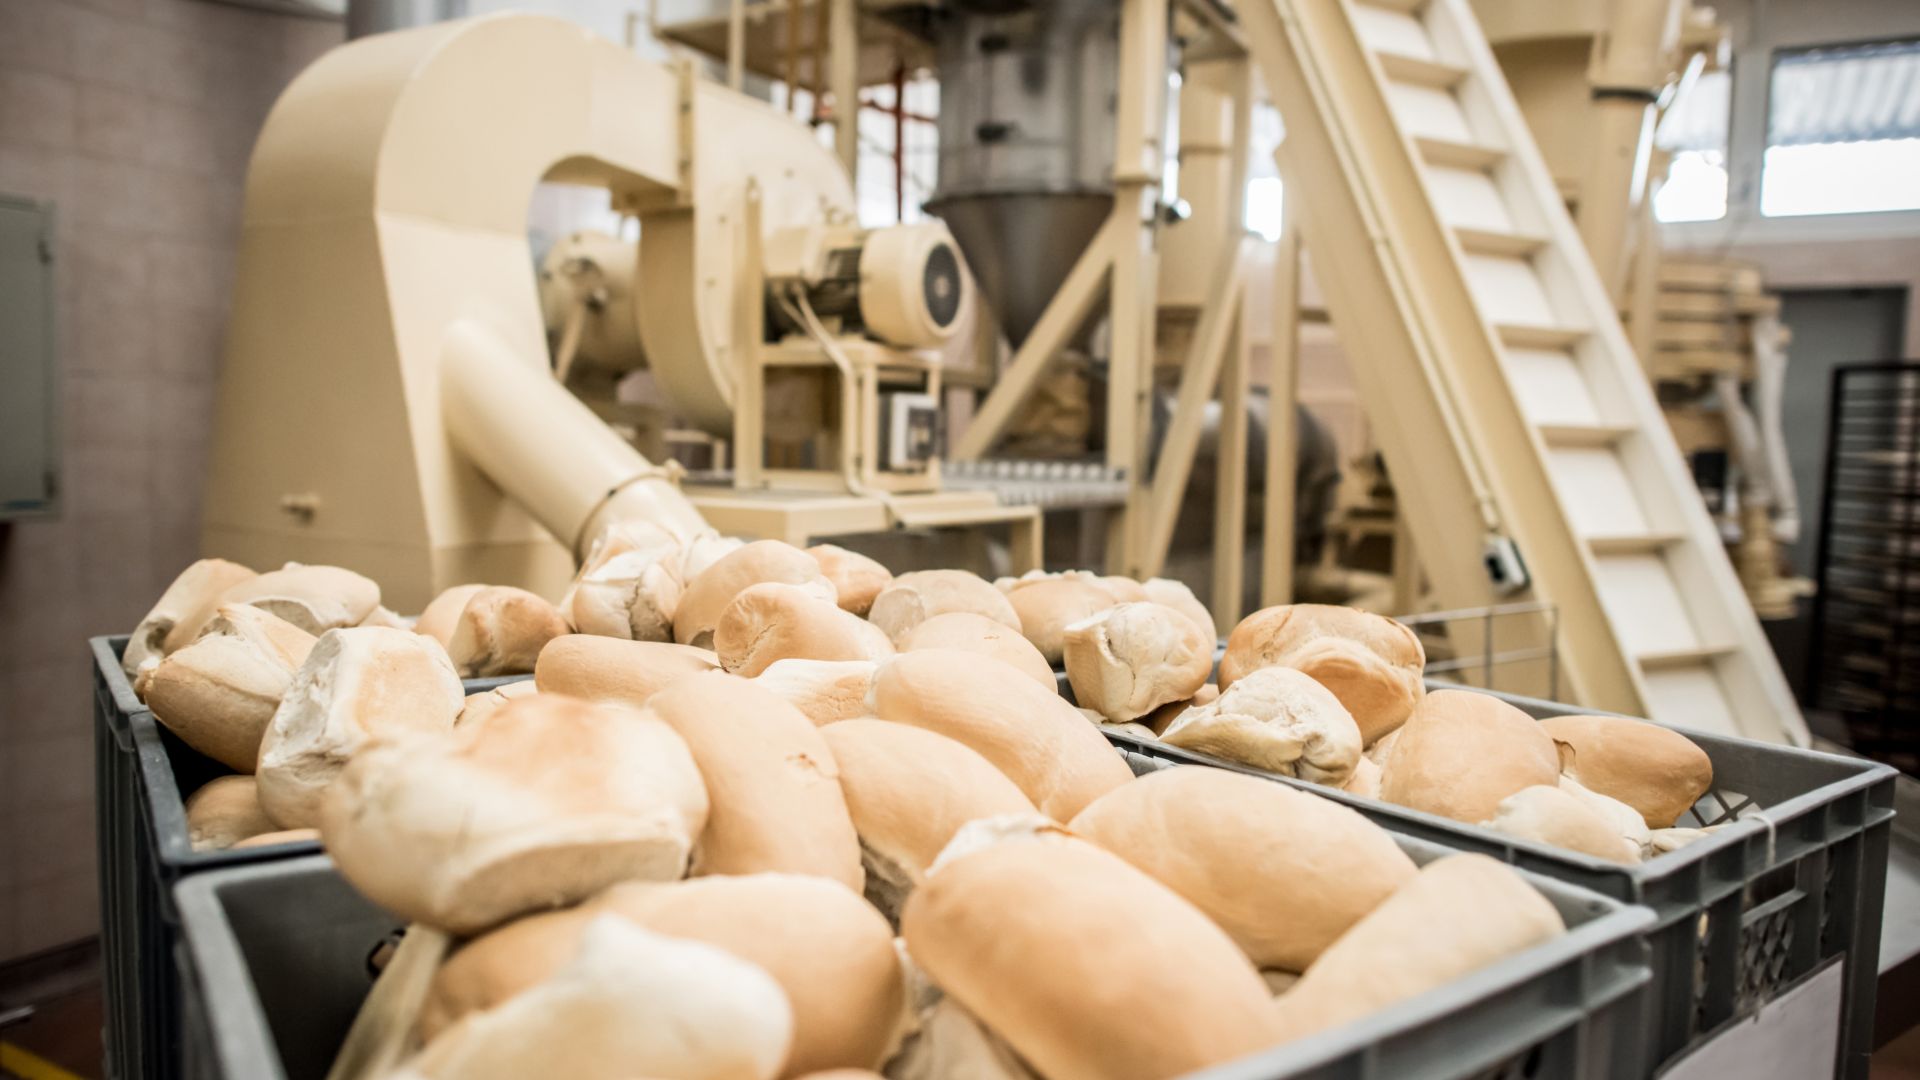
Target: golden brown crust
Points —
{"points": [[972, 632], [708, 594], [501, 632], [1374, 665], [1658, 772], [769, 622], [613, 669], [1047, 607], [856, 578], [916, 597], [1462, 752]]}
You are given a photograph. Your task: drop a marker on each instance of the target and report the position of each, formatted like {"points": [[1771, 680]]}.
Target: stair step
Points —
{"points": [[1420, 71], [1638, 544], [1521, 336], [1458, 155], [1490, 242], [1583, 434], [1668, 659]]}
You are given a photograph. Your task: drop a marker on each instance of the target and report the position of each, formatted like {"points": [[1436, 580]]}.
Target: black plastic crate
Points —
{"points": [[275, 965], [1797, 877], [144, 775]]}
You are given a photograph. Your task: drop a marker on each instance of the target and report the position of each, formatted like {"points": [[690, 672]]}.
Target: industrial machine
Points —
{"points": [[387, 400]]}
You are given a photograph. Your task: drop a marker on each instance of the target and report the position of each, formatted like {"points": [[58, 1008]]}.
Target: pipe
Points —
{"points": [[545, 448], [366, 17]]}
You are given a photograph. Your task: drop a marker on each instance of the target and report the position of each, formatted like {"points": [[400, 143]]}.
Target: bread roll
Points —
{"points": [[708, 595], [825, 691], [1276, 719], [909, 790], [975, 633], [609, 669], [1667, 841], [831, 953], [1057, 759], [1461, 753], [1047, 607], [1548, 815], [1086, 966], [1365, 780], [282, 836], [220, 692], [543, 803], [1284, 873], [703, 550], [914, 598], [225, 811], [314, 598], [1375, 666], [357, 684], [1623, 820], [1458, 915], [629, 584], [1658, 772], [1125, 590], [485, 702], [1177, 596], [501, 632], [856, 578], [1381, 748], [1131, 659], [176, 618], [631, 1003], [770, 621], [773, 783], [443, 611], [1162, 718]]}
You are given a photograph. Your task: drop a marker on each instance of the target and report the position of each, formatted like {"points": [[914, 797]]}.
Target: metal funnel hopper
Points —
{"points": [[1021, 246]]}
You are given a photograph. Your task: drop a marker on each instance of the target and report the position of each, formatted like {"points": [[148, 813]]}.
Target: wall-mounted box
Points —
{"points": [[29, 381]]}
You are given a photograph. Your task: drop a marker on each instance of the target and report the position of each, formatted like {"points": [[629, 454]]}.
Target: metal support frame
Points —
{"points": [[1283, 391]]}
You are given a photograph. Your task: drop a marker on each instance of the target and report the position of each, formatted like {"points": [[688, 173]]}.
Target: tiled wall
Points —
{"points": [[135, 117]]}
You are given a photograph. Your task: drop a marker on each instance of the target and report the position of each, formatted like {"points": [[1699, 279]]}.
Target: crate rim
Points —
{"points": [[214, 957]]}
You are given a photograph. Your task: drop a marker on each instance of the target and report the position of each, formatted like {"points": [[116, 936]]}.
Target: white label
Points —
{"points": [[1792, 1037]]}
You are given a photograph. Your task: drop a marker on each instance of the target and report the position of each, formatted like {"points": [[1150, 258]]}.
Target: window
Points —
{"points": [[1694, 130], [1843, 131]]}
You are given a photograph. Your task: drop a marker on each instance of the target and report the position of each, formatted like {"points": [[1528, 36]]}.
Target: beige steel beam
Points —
{"points": [[843, 60], [1283, 372]]}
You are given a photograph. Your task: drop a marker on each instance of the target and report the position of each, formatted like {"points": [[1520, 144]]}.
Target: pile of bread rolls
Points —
{"points": [[1337, 696], [772, 812]]}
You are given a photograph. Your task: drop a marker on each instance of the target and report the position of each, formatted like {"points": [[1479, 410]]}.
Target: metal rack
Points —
{"points": [[1864, 659]]}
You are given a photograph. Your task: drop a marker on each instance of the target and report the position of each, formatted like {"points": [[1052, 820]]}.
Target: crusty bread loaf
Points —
{"points": [[1047, 606], [543, 803], [181, 611], [1276, 719], [609, 669], [972, 632], [1088, 967], [825, 691], [856, 578], [1125, 590], [281, 836], [830, 952], [225, 811], [703, 550], [1057, 759], [484, 702], [629, 584], [501, 632], [220, 692], [1375, 666], [774, 786], [1177, 596], [909, 790], [1551, 816], [1658, 772], [708, 595], [443, 611], [916, 597], [630, 1003], [387, 617], [1130, 659], [1461, 753], [314, 598], [771, 621], [1380, 749], [1162, 718], [1624, 821], [1284, 873], [357, 684], [1459, 914]]}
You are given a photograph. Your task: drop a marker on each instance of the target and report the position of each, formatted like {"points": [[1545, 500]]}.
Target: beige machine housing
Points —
{"points": [[387, 401]]}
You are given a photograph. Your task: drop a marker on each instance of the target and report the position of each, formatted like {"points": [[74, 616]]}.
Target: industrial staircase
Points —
{"points": [[1473, 317]]}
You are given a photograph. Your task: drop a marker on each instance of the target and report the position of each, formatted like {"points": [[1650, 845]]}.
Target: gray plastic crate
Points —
{"points": [[144, 774], [1797, 876], [275, 963]]}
